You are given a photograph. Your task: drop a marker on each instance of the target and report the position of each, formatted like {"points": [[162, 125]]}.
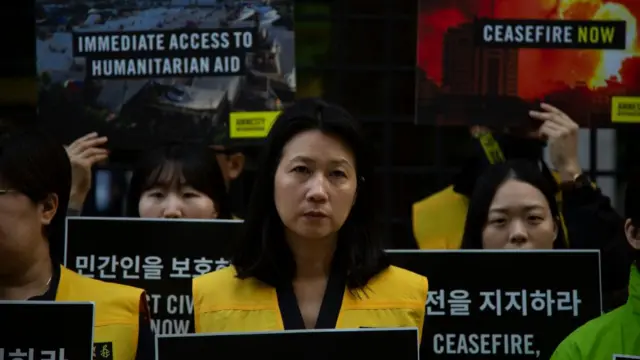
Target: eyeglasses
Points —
{"points": [[6, 191]]}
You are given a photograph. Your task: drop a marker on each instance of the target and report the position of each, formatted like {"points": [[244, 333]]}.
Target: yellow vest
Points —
{"points": [[117, 312], [224, 303], [438, 220]]}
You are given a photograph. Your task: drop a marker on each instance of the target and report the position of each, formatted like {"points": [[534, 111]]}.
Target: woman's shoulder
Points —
{"points": [[590, 341], [223, 276], [399, 283], [111, 299], [394, 273], [97, 288], [225, 286]]}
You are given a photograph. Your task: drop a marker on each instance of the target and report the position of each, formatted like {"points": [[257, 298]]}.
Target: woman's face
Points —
{"points": [[21, 223], [519, 218], [315, 185], [171, 197]]}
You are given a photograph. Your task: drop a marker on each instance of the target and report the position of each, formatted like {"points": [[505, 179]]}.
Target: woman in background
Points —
{"points": [[310, 257], [178, 181], [170, 181], [513, 207]]}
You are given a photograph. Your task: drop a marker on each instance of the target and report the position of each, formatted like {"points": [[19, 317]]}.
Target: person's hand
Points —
{"points": [[83, 153], [561, 132]]}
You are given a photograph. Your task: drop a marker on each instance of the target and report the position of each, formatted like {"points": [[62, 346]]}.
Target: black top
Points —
{"points": [[146, 341], [329, 310]]}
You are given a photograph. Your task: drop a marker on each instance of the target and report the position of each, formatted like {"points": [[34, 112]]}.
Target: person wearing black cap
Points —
{"points": [[35, 182], [232, 161], [230, 157]]}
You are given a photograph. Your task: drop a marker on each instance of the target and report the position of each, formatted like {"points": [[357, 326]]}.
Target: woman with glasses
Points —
{"points": [[35, 181]]}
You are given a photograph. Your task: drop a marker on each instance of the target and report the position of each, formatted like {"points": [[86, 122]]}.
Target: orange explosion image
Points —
{"points": [[540, 72]]}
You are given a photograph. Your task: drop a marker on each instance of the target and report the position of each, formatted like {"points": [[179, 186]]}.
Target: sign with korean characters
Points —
{"points": [[158, 255], [31, 330], [503, 304], [370, 344]]}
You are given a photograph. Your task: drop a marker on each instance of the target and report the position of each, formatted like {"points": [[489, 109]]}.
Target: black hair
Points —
{"points": [[485, 190], [38, 166], [632, 201], [195, 163], [632, 211], [262, 251]]}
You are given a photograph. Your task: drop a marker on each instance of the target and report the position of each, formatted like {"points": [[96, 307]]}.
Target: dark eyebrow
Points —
{"points": [[526, 208], [308, 160], [304, 159]]}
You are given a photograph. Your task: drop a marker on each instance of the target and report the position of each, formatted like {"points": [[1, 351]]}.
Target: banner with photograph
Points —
{"points": [[154, 71], [490, 62]]}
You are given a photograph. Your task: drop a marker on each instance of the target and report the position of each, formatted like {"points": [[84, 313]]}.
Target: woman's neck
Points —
{"points": [[313, 257], [32, 280]]}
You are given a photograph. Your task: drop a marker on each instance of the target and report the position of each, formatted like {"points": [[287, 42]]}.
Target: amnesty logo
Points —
{"points": [[103, 351], [251, 125], [625, 109]]}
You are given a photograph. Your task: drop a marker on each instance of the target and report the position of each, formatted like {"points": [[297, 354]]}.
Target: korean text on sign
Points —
{"points": [[458, 302], [144, 267], [31, 354]]}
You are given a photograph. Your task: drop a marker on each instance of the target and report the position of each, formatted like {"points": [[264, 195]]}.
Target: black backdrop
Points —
{"points": [[369, 67]]}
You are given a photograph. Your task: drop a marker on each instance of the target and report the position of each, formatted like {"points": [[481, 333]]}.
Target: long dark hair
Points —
{"points": [[195, 163], [485, 190], [262, 251]]}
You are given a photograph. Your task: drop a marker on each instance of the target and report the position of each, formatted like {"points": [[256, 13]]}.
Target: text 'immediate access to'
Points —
{"points": [[164, 53]]}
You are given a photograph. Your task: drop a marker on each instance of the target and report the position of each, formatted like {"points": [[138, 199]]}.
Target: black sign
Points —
{"points": [[33, 330], [160, 256], [504, 304], [370, 344], [550, 34], [625, 357], [169, 53]]}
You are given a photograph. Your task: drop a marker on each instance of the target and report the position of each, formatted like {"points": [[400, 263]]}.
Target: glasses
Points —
{"points": [[7, 191]]}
